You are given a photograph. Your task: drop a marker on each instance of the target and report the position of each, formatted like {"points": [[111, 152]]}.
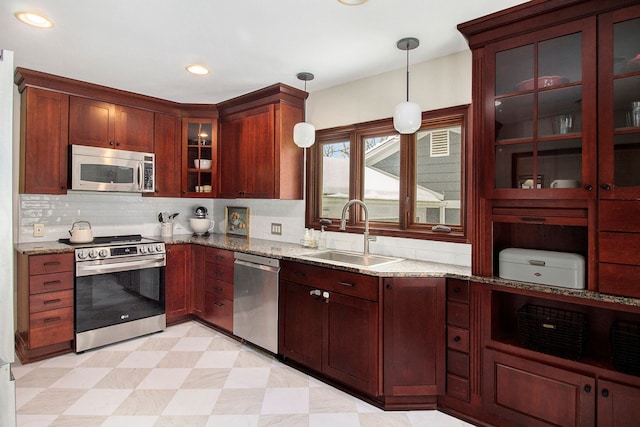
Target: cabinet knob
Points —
{"points": [[587, 388], [456, 290], [111, 143], [457, 338], [389, 286], [588, 187], [606, 187], [605, 393]]}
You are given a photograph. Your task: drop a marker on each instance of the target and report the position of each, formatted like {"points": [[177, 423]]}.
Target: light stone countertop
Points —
{"points": [[295, 252]]}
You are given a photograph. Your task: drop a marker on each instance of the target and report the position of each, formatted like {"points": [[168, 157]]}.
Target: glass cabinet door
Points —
{"points": [[199, 177], [620, 104], [543, 95]]}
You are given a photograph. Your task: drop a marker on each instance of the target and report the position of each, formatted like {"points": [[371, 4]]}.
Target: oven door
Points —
{"points": [[113, 291]]}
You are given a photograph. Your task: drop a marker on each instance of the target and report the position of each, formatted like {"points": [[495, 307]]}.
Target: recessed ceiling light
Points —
{"points": [[34, 19], [352, 2], [198, 69]]}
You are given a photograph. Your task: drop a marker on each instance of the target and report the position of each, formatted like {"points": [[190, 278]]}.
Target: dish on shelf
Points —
{"points": [[202, 163], [633, 64], [543, 81]]}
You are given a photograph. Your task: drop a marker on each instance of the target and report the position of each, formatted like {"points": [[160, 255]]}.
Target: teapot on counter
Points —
{"points": [[81, 232]]}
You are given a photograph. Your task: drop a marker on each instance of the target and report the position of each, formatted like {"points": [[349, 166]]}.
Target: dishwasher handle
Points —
{"points": [[257, 266]]}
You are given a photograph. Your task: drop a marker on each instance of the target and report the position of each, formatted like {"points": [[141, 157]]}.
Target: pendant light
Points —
{"points": [[408, 115], [304, 134]]}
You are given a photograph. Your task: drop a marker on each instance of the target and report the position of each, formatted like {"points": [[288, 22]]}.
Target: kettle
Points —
{"points": [[81, 232]]}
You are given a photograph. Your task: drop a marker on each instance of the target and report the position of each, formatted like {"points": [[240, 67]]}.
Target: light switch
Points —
{"points": [[276, 228]]}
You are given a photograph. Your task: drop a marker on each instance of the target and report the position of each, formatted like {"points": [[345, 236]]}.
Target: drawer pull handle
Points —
{"points": [[51, 263], [537, 262], [457, 338], [299, 274], [350, 285], [51, 319], [53, 282], [52, 301], [219, 305], [218, 288]]}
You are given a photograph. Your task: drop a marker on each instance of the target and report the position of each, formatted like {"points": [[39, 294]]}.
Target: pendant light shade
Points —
{"points": [[408, 115], [304, 134]]}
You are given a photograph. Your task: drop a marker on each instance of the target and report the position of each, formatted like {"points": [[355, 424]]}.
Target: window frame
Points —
{"points": [[405, 227]]}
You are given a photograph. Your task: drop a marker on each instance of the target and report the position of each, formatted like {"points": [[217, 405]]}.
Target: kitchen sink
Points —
{"points": [[352, 258]]}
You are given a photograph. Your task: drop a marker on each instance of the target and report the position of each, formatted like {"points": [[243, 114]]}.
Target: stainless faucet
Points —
{"points": [[343, 221]]}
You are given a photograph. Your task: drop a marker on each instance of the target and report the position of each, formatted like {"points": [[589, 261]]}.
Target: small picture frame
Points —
{"points": [[236, 221]]}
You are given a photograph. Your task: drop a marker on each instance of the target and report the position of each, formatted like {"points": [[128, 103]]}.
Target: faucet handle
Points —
{"points": [[323, 223]]}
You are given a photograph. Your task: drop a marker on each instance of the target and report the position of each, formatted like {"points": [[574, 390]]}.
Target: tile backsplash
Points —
{"points": [[121, 213]]}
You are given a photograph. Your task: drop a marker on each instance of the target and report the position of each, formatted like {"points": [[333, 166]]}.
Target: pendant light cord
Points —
{"points": [[407, 71]]}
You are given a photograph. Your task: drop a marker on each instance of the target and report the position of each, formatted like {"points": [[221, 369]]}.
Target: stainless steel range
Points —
{"points": [[119, 289]]}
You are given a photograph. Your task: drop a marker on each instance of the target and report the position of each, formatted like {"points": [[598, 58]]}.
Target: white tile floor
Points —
{"points": [[189, 375]]}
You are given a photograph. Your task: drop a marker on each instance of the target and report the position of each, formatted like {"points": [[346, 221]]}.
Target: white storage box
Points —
{"points": [[562, 269]]}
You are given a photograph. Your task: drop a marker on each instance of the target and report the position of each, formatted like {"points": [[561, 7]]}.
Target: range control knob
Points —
{"points": [[103, 253], [82, 254], [149, 248], [143, 249], [159, 247], [93, 253]]}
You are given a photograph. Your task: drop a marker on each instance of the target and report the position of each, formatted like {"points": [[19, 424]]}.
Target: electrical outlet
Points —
{"points": [[38, 230], [276, 228]]}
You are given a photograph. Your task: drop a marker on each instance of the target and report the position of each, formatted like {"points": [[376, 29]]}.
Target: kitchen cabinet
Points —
{"points": [[414, 342], [168, 150], [45, 316], [575, 389], [329, 323], [553, 99], [198, 262], [200, 142], [258, 158], [44, 117], [219, 288], [178, 280], [103, 124]]}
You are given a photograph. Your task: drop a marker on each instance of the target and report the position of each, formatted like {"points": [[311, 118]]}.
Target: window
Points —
{"points": [[410, 183]]}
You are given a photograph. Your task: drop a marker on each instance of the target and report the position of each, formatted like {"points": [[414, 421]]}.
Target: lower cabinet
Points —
{"points": [[198, 257], [618, 404], [414, 341], [45, 315], [218, 288], [178, 283], [329, 323]]}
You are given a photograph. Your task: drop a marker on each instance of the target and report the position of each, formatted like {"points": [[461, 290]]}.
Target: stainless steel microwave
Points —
{"points": [[106, 169]]}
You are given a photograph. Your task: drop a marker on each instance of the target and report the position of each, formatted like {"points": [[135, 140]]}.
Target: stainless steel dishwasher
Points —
{"points": [[255, 300]]}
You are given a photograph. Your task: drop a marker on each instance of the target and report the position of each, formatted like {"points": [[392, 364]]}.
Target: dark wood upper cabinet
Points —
{"points": [[199, 142], [43, 141], [102, 124], [258, 158], [168, 150]]}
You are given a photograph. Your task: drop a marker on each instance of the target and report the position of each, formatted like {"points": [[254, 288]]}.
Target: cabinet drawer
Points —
{"points": [[458, 363], [458, 339], [219, 256], [50, 327], [619, 279], [610, 213], [224, 289], [50, 282], [219, 310], [457, 290], [219, 272], [50, 301], [610, 244], [458, 314], [458, 387], [328, 279], [53, 263]]}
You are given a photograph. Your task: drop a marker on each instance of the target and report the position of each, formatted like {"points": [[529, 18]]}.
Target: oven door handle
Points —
{"points": [[93, 269]]}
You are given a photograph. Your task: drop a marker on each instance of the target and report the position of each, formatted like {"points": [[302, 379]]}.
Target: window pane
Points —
{"points": [[438, 171], [335, 178], [382, 176]]}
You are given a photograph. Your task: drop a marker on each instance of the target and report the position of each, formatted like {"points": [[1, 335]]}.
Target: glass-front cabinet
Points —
{"points": [[619, 104], [541, 120], [200, 153]]}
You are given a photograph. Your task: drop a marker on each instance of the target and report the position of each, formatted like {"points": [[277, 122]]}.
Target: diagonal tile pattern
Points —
{"points": [[190, 375]]}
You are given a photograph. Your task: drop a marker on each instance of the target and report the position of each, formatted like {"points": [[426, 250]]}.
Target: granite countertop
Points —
{"points": [[295, 252]]}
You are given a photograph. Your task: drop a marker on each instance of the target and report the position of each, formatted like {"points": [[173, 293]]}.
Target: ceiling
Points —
{"points": [[143, 46]]}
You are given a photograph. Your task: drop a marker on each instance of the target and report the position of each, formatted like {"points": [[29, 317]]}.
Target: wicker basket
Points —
{"points": [[625, 346], [554, 331]]}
